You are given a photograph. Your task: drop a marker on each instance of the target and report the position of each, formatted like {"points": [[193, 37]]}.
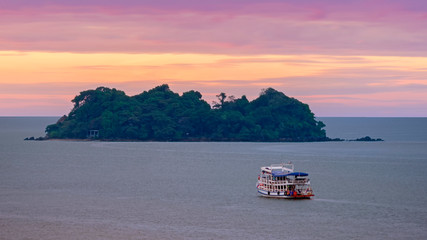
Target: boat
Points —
{"points": [[280, 181]]}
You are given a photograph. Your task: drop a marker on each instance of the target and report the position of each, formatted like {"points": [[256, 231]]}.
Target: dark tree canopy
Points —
{"points": [[162, 115]]}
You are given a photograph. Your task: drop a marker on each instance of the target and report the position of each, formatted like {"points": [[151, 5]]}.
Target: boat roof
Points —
{"points": [[284, 174], [283, 167]]}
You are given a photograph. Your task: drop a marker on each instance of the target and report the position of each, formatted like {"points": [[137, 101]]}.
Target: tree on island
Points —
{"points": [[162, 115]]}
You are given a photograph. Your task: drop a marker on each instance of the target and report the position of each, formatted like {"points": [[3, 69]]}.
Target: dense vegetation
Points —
{"points": [[162, 115]]}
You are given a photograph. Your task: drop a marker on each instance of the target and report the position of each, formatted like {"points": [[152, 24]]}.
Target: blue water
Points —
{"points": [[154, 190]]}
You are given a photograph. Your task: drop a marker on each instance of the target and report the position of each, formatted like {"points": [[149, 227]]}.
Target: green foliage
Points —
{"points": [[162, 115]]}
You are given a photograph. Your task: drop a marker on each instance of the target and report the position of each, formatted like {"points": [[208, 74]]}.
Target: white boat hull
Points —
{"points": [[282, 195]]}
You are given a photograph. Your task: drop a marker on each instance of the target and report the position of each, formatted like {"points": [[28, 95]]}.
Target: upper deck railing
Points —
{"points": [[283, 166], [284, 182]]}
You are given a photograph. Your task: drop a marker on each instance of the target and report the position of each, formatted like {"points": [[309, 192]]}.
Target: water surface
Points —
{"points": [[153, 190]]}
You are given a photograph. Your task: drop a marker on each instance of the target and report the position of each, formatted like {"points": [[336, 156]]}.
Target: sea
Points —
{"points": [[207, 190]]}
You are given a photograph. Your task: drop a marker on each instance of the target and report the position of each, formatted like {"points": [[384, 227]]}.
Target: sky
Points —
{"points": [[343, 58]]}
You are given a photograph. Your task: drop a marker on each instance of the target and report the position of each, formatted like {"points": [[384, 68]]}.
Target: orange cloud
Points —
{"points": [[42, 77]]}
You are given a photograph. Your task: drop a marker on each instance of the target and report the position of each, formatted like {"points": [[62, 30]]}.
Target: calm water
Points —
{"points": [[150, 190]]}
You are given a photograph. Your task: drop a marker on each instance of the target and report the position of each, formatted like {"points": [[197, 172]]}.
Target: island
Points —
{"points": [[368, 139], [163, 115]]}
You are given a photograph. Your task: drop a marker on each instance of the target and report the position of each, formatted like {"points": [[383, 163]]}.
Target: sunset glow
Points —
{"points": [[342, 59]]}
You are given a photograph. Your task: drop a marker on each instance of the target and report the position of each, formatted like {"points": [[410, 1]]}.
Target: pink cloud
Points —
{"points": [[239, 27]]}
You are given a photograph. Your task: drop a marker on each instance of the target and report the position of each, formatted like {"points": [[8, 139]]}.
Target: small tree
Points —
{"points": [[221, 98]]}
